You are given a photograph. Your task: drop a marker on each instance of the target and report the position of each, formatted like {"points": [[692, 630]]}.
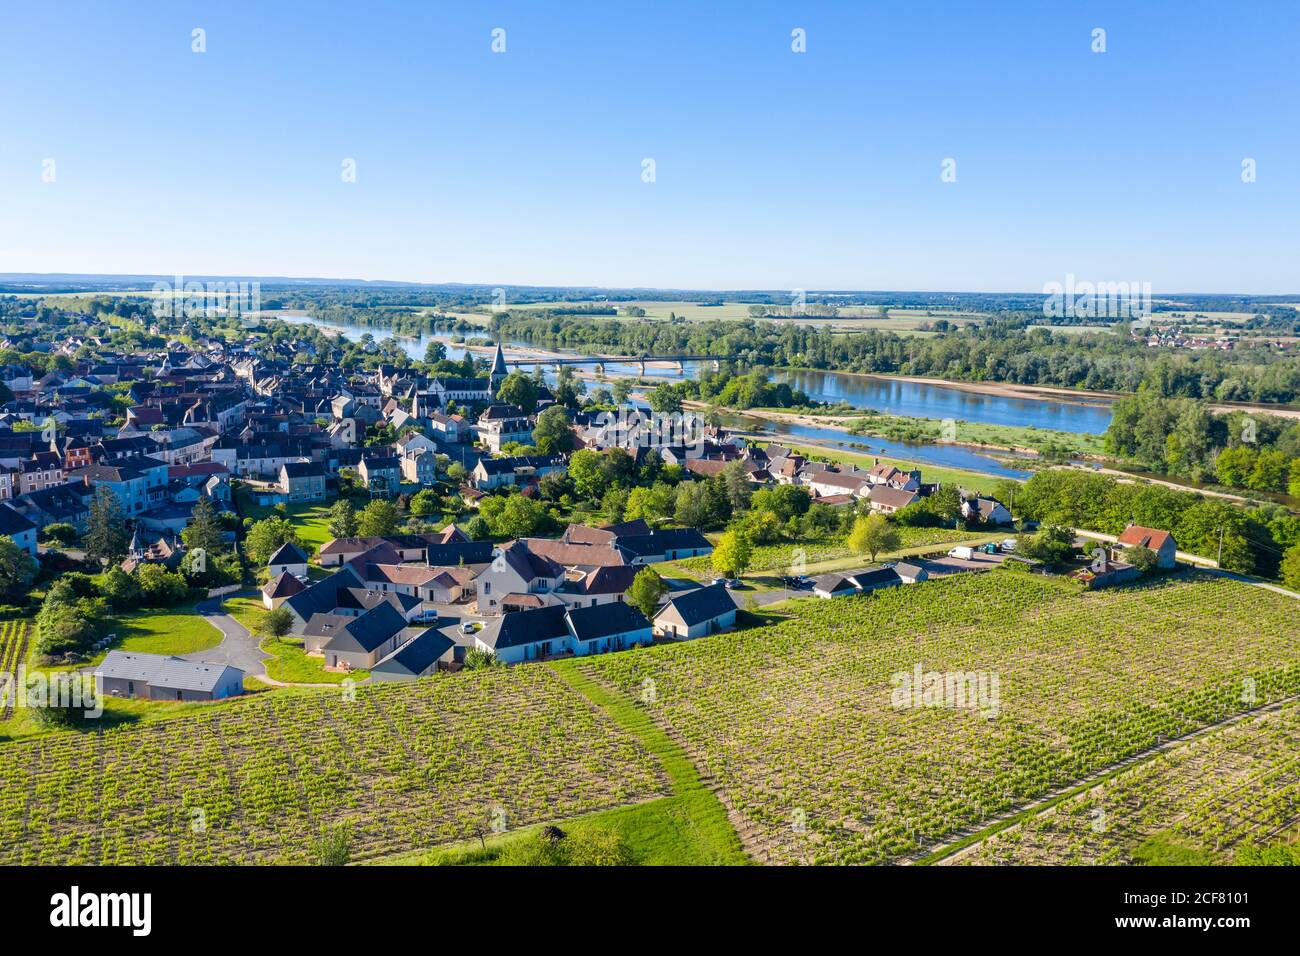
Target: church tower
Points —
{"points": [[499, 370]]}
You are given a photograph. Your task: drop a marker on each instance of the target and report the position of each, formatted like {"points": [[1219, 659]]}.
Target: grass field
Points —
{"points": [[310, 521], [165, 632], [801, 728]]}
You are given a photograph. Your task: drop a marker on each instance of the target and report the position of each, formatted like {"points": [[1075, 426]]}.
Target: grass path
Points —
{"points": [[692, 819], [688, 828]]}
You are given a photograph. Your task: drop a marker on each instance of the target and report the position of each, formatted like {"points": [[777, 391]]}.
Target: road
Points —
{"points": [[239, 648]]}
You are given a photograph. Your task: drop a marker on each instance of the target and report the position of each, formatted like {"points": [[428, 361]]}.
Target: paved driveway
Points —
{"points": [[238, 647]]}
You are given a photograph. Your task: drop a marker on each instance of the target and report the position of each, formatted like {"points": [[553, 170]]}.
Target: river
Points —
{"points": [[919, 399]]}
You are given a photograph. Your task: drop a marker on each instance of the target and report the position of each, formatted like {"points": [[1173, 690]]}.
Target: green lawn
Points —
{"points": [[165, 632], [290, 662]]}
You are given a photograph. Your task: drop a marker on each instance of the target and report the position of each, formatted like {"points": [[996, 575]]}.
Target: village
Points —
{"points": [[476, 555]]}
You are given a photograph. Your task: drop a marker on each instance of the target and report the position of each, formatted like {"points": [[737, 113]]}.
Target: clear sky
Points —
{"points": [[773, 169]]}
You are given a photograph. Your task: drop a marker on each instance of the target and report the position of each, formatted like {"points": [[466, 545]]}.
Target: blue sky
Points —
{"points": [[772, 169]]}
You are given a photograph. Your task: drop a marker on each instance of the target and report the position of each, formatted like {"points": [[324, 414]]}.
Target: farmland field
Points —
{"points": [[402, 766], [14, 637], [799, 725], [1233, 786]]}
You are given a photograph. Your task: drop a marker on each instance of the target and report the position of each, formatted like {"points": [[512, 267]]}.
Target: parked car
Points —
{"points": [[963, 552], [731, 583], [1009, 544], [467, 627]]}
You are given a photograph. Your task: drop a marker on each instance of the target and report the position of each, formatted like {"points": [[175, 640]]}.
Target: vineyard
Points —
{"points": [[14, 637], [400, 765], [1239, 784], [797, 727]]}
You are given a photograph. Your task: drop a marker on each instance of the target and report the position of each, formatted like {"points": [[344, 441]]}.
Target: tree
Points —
{"points": [[160, 587], [204, 530], [646, 590], [17, 570], [266, 536], [518, 389], [589, 480], [478, 529], [478, 659], [622, 391], [276, 623], [871, 535], [333, 847], [342, 519], [1144, 559], [435, 352], [426, 502], [106, 538], [60, 532], [378, 519], [1051, 545], [945, 503], [736, 479], [732, 554], [568, 390], [553, 435], [665, 398], [784, 501], [1291, 568], [120, 589]]}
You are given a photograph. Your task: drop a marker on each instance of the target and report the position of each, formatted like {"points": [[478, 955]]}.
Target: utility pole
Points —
{"points": [[1219, 560]]}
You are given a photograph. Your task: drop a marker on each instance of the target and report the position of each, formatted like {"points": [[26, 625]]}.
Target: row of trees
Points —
{"points": [[1180, 436]]}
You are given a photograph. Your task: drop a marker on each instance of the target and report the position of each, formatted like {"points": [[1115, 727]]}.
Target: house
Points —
{"points": [[302, 481], [874, 579], [833, 586], [1161, 542], [824, 483], [450, 585], [885, 474], [887, 499], [418, 657], [557, 629], [1106, 572], [382, 475], [982, 510], [448, 429], [666, 545], [420, 467], [515, 569], [491, 473], [696, 613], [353, 643], [501, 424], [156, 677], [138, 485], [18, 527], [280, 588], [843, 585], [911, 573], [288, 559], [429, 548]]}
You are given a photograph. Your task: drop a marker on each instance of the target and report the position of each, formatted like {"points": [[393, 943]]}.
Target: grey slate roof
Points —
{"points": [[604, 620], [416, 655], [166, 672], [703, 604]]}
